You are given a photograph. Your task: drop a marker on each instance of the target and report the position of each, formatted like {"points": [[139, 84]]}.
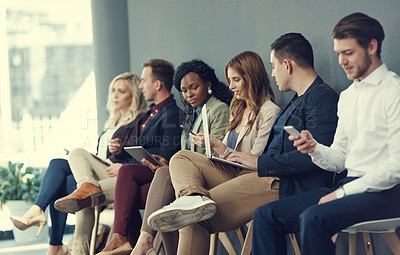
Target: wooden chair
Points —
{"points": [[157, 244], [387, 229], [244, 239]]}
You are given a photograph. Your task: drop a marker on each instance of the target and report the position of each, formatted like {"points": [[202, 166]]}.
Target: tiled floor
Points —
{"points": [[10, 247]]}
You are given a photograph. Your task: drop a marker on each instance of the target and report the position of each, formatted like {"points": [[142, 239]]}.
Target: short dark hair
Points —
{"points": [[295, 47], [161, 70], [361, 27]]}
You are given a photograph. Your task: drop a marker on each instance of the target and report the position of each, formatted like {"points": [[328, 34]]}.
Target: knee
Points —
{"points": [[182, 158], [162, 174], [263, 213], [180, 155], [57, 164], [78, 152], [124, 170], [132, 171], [311, 217]]}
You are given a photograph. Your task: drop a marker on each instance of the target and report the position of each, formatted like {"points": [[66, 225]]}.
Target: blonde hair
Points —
{"points": [[138, 104], [257, 84]]}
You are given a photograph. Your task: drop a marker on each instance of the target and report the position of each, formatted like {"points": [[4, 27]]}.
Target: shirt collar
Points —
{"points": [[198, 109], [157, 107], [373, 78]]}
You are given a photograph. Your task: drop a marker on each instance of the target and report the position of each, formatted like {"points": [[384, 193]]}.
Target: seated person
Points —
{"points": [[157, 131], [125, 104], [199, 86], [366, 144], [234, 193], [252, 114]]}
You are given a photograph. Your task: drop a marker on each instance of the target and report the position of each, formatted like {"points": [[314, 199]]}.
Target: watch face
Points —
{"points": [[339, 193]]}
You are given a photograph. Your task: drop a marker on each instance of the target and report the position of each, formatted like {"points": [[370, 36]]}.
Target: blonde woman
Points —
{"points": [[125, 104]]}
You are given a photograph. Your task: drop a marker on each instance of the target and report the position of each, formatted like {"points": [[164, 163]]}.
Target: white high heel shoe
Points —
{"points": [[22, 223]]}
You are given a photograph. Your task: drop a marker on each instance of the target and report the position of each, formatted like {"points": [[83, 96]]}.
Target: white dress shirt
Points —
{"points": [[367, 138]]}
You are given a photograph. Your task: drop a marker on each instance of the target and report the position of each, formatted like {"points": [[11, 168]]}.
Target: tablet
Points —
{"points": [[138, 153], [208, 146], [101, 160]]}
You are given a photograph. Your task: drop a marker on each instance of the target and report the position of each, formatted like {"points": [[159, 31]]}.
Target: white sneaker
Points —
{"points": [[183, 211]]}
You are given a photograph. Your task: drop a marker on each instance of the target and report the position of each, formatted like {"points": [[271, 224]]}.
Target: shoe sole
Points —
{"points": [[18, 224], [74, 205], [168, 221]]}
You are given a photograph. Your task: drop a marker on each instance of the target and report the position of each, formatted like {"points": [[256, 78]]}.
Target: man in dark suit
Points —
{"points": [[157, 131], [366, 144], [313, 107]]}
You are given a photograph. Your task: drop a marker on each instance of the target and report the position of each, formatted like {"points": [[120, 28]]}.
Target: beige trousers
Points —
{"points": [[236, 192], [86, 168]]}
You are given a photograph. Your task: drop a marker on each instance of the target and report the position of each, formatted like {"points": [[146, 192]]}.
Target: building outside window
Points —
{"points": [[47, 86]]}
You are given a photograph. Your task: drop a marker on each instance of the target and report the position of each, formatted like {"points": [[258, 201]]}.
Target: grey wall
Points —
{"points": [[217, 30], [111, 48]]}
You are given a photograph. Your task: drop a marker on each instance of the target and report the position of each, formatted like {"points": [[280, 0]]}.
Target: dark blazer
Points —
{"points": [[315, 111], [162, 134], [127, 134]]}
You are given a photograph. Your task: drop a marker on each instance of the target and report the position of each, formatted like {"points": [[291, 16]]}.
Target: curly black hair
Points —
{"points": [[205, 72]]}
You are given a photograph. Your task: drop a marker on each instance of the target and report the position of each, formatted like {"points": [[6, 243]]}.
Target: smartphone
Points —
{"points": [[186, 129], [292, 131]]}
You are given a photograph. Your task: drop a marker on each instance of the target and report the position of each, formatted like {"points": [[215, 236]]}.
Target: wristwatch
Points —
{"points": [[340, 193]]}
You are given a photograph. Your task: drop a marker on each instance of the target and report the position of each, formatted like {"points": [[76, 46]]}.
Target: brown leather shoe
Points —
{"points": [[86, 195]]}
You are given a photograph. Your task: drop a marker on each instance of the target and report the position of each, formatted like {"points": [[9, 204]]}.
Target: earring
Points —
{"points": [[209, 91]]}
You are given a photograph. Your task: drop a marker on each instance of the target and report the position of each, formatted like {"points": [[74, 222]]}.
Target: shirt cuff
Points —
{"points": [[354, 187], [317, 154]]}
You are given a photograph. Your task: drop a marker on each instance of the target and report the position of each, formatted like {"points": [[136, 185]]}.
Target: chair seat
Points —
{"points": [[375, 226]]}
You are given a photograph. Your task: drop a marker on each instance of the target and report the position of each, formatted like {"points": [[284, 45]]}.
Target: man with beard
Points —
{"points": [[366, 143]]}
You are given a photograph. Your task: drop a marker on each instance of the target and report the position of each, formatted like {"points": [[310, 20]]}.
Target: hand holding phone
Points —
{"points": [[305, 144], [292, 131], [186, 129]]}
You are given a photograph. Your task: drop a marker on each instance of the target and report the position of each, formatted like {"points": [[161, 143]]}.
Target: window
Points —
{"points": [[47, 89]]}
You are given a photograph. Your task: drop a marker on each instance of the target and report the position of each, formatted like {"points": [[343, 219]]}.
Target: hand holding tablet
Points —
{"points": [[138, 153]]}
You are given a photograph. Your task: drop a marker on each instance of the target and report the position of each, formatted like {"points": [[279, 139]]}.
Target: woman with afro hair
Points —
{"points": [[217, 197], [199, 86]]}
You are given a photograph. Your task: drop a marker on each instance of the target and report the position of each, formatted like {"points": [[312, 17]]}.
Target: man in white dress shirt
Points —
{"points": [[366, 144]]}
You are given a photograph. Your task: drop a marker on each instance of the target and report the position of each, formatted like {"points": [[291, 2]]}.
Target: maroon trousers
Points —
{"points": [[133, 182]]}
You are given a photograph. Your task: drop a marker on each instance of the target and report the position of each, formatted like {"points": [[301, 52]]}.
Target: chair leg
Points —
{"points": [[240, 234], [226, 242], [247, 245], [335, 237], [368, 244], [392, 241], [352, 243], [94, 230], [157, 243], [295, 243], [213, 244]]}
